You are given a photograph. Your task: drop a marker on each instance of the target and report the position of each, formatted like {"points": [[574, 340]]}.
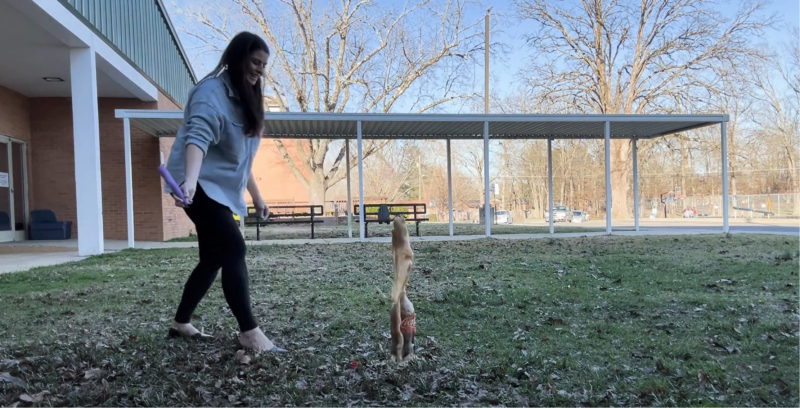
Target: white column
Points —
{"points": [[608, 176], [635, 184], [360, 184], [449, 189], [349, 202], [486, 209], [724, 133], [550, 183], [86, 139], [128, 180], [10, 186]]}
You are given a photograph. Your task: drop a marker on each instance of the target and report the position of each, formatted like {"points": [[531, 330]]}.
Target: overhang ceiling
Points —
{"points": [[29, 53]]}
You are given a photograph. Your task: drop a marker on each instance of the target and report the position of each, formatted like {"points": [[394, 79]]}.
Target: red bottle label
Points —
{"points": [[408, 325]]}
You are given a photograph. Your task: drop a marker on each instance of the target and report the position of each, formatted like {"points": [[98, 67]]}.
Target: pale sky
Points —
{"points": [[503, 71]]}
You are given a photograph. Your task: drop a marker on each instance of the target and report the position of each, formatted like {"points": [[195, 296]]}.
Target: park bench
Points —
{"points": [[414, 212], [764, 212], [285, 214]]}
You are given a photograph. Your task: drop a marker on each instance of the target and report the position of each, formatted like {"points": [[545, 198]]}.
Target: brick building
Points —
{"points": [[275, 181], [65, 67]]}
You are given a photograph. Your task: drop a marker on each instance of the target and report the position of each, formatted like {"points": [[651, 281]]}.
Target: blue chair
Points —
{"points": [[45, 226], [5, 221]]}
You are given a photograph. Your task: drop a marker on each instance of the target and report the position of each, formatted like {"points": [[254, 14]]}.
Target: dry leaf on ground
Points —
{"points": [[7, 378], [95, 372], [33, 398], [242, 357]]}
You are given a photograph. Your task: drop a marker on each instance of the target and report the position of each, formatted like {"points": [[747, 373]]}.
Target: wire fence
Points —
{"points": [[740, 206]]}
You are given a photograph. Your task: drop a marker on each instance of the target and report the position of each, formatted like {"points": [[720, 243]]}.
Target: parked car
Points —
{"points": [[560, 213], [580, 216], [504, 217]]}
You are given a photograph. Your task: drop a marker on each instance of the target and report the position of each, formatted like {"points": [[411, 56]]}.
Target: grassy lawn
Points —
{"points": [[653, 321], [426, 229]]}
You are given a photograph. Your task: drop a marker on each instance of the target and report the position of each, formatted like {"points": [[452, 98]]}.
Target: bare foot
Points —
{"points": [[185, 330], [256, 340]]}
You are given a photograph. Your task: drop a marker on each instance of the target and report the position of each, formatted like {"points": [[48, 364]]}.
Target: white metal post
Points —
{"points": [[724, 148], [128, 180], [86, 142], [487, 217], [360, 183], [26, 212], [10, 180], [449, 189], [635, 184], [550, 184], [349, 201], [608, 176]]}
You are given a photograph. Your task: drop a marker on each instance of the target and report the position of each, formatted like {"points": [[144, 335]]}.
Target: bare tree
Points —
{"points": [[734, 98], [387, 173], [633, 56], [469, 156], [348, 55], [436, 190], [778, 81]]}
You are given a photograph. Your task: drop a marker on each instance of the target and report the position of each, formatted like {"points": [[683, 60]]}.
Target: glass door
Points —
{"points": [[13, 190], [19, 190], [6, 202]]}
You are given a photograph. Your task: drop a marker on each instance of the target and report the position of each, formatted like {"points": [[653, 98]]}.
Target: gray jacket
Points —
{"points": [[213, 121]]}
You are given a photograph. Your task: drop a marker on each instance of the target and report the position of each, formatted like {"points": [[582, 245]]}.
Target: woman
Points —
{"points": [[211, 159]]}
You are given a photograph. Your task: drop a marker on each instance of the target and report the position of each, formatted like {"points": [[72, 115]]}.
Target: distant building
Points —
{"points": [[273, 176]]}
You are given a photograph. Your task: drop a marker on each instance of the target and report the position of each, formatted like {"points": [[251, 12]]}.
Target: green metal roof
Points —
{"points": [[142, 32]]}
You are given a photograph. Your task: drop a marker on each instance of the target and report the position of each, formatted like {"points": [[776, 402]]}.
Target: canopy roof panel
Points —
{"points": [[299, 125]]}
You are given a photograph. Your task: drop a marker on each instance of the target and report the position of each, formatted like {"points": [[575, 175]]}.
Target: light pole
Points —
{"points": [[486, 62], [419, 174]]}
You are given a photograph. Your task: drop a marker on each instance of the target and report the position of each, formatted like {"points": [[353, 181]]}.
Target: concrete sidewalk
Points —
{"points": [[67, 251], [24, 261]]}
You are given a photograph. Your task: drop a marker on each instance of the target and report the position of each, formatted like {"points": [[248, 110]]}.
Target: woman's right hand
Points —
{"points": [[188, 188]]}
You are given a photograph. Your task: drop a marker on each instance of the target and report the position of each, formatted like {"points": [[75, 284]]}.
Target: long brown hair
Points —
{"points": [[234, 59]]}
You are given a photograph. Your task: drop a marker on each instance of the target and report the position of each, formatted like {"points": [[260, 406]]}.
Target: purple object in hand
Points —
{"points": [[172, 184]]}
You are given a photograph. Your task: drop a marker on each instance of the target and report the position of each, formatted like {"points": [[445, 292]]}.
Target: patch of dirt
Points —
{"points": [[26, 249]]}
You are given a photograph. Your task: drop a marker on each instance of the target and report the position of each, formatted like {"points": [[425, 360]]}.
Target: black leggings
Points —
{"points": [[221, 247]]}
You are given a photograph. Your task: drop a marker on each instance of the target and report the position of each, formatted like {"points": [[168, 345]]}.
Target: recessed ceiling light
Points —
{"points": [[53, 79]]}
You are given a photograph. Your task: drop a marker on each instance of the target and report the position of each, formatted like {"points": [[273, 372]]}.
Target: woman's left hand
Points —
{"points": [[262, 209]]}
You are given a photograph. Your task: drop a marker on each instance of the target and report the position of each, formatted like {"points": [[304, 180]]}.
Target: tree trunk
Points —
{"points": [[620, 175], [682, 181], [571, 193], [796, 191], [503, 194], [732, 165], [316, 189]]}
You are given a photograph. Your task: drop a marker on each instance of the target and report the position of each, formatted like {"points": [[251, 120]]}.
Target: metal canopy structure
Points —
{"points": [[392, 126], [486, 127]]}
